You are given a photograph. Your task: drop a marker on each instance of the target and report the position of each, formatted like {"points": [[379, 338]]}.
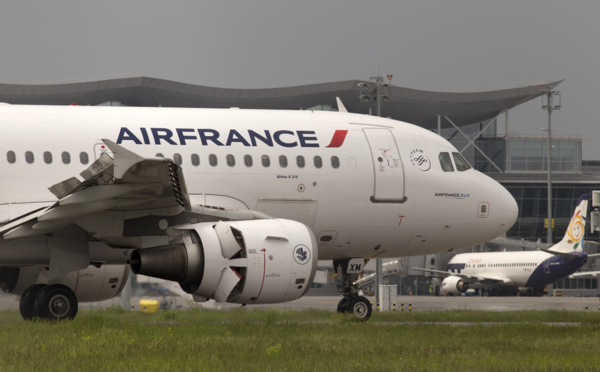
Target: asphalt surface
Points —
{"points": [[418, 303], [432, 303]]}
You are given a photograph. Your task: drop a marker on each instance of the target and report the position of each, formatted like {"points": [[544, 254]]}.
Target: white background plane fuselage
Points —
{"points": [[516, 269], [388, 197]]}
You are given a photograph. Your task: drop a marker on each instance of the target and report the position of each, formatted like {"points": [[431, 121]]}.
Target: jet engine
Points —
{"points": [[454, 285], [247, 262], [90, 285]]}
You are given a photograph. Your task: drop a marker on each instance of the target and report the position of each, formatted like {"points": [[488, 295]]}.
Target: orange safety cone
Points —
{"points": [[410, 293]]}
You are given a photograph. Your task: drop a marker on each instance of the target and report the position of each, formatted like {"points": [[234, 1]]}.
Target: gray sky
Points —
{"points": [[432, 45]]}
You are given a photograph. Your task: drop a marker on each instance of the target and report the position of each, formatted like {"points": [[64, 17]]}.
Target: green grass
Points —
{"points": [[275, 340]]}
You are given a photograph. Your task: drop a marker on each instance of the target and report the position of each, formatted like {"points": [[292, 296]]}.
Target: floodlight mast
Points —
{"points": [[550, 106], [374, 93]]}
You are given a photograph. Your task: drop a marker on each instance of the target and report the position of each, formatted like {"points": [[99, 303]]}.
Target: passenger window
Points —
{"points": [[318, 162], [460, 162], [83, 158], [335, 162], [445, 162], [300, 161], [29, 157], [47, 157], [195, 160], [283, 161], [177, 159], [248, 160], [212, 160], [66, 157], [11, 157], [230, 160], [266, 161]]}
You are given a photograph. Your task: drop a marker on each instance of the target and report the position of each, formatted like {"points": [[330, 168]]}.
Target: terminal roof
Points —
{"points": [[418, 107]]}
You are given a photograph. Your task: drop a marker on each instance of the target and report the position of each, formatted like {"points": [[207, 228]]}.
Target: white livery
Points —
{"points": [[235, 205]]}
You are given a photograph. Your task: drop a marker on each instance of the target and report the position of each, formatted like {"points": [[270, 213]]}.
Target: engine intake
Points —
{"points": [[454, 285]]}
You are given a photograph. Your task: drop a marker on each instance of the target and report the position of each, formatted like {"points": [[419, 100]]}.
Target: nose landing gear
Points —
{"points": [[353, 301]]}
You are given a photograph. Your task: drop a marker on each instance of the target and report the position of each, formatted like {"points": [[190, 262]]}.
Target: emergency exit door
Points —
{"points": [[387, 166]]}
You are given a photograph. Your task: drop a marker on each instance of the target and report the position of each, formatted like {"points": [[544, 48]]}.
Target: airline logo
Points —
{"points": [[452, 195], [246, 138], [301, 254], [419, 159], [576, 229]]}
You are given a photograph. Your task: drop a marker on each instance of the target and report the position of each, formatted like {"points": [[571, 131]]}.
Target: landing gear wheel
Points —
{"points": [[360, 307], [343, 306], [56, 302], [27, 301]]}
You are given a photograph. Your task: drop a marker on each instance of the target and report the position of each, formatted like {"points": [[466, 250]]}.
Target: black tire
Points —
{"points": [[343, 306], [27, 301], [56, 302], [360, 307]]}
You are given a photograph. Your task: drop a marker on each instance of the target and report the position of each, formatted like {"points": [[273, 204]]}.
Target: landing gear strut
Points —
{"points": [[52, 302], [353, 301]]}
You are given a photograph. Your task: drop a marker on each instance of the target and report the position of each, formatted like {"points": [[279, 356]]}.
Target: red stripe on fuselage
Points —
{"points": [[338, 138]]}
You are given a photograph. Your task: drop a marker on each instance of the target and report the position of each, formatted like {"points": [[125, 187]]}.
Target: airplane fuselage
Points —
{"points": [[366, 186], [515, 269]]}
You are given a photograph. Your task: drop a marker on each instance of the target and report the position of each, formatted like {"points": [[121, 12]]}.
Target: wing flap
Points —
{"points": [[127, 183]]}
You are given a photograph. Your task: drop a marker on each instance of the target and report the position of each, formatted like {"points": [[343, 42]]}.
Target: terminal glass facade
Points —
{"points": [[579, 283], [514, 153], [529, 154], [533, 209]]}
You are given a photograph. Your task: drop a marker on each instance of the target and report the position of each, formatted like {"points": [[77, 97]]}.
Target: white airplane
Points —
{"points": [[249, 202], [496, 272]]}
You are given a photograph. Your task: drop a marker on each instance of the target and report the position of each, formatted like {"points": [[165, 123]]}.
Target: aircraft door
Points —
{"points": [[387, 166]]}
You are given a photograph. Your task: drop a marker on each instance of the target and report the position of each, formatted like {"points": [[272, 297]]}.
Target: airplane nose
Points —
{"points": [[510, 211]]}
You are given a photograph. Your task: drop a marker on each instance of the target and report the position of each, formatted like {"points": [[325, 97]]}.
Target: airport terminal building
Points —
{"points": [[477, 123]]}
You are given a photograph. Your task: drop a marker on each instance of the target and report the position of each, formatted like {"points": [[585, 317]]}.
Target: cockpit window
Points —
{"points": [[461, 163], [445, 162]]}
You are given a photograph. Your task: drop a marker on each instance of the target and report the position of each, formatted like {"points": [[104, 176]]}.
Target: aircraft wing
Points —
{"points": [[483, 279], [438, 272], [584, 273], [121, 199]]}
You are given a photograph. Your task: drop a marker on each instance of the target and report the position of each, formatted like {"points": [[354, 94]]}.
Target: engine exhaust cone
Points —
{"points": [[168, 262]]}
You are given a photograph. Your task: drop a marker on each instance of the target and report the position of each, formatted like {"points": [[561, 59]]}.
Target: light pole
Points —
{"points": [[374, 93], [549, 106]]}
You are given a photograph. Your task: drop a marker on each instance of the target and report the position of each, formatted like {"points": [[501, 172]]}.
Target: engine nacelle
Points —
{"points": [[247, 262], [454, 285], [90, 285]]}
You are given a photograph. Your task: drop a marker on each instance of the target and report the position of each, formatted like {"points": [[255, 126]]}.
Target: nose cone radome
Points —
{"points": [[510, 210]]}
